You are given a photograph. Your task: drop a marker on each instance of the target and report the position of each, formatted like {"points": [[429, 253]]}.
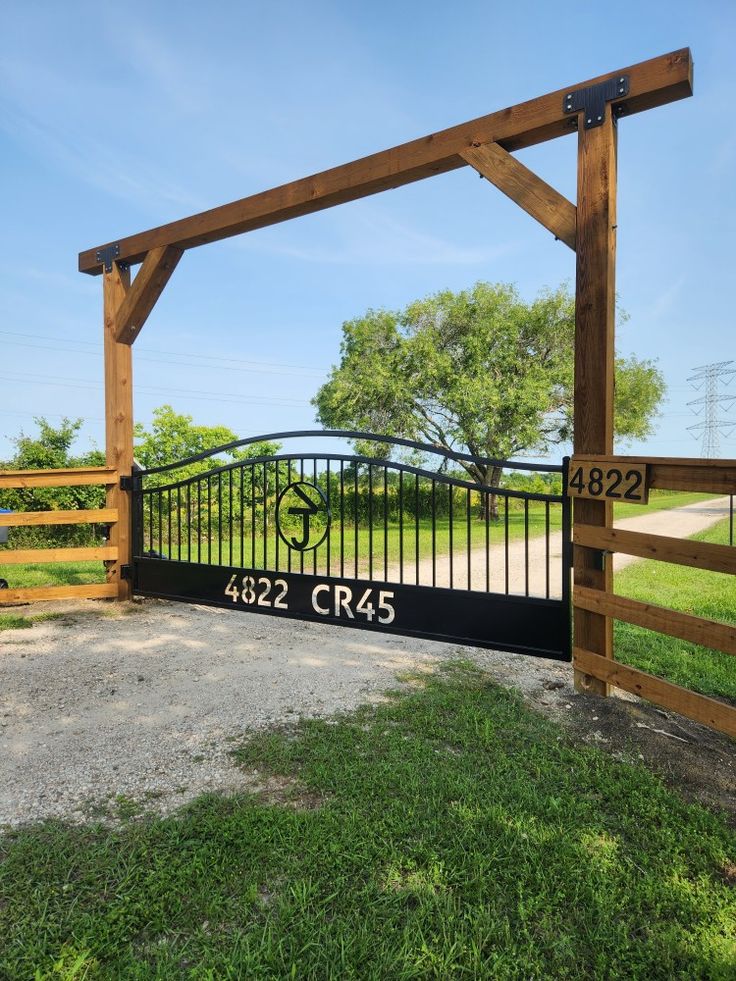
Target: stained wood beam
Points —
{"points": [[525, 188], [144, 291], [651, 83]]}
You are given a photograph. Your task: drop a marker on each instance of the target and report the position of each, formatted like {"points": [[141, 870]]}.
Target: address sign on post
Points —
{"points": [[608, 480]]}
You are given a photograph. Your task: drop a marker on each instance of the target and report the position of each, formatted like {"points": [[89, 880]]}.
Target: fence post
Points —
{"points": [[595, 302], [118, 421]]}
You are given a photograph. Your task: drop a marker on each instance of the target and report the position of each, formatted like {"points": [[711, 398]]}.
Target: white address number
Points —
{"points": [[327, 600]]}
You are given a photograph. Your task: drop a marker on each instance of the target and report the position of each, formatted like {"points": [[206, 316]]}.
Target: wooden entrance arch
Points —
{"points": [[591, 109]]}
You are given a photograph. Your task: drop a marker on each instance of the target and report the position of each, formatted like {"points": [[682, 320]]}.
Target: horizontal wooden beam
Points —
{"points": [[145, 289], [77, 477], [37, 594], [672, 473], [525, 188], [679, 551], [696, 630], [43, 555], [708, 711], [22, 519], [651, 83]]}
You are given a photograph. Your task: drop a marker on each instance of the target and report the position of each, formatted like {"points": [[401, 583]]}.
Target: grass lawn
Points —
{"points": [[706, 594], [447, 833]]}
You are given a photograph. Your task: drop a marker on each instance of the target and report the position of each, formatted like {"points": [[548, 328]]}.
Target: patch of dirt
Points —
{"points": [[135, 712]]}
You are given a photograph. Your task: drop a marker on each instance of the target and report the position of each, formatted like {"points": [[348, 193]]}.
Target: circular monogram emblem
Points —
{"points": [[302, 516]]}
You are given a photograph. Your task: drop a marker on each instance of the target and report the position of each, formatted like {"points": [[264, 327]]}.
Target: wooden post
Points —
{"points": [[594, 365], [118, 422]]}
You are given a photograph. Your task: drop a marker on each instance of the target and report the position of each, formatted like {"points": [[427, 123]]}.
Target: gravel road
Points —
{"points": [[136, 702]]}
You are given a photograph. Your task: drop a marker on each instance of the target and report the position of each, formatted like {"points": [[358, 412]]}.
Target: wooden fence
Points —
{"points": [[18, 479], [667, 474]]}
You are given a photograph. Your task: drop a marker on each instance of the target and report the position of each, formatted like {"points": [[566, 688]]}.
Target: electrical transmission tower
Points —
{"points": [[707, 378]]}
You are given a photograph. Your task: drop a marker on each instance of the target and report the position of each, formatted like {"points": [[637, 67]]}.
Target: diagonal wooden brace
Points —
{"points": [[144, 291], [530, 192]]}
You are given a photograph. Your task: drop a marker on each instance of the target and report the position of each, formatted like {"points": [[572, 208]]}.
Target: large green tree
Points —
{"points": [[480, 371]]}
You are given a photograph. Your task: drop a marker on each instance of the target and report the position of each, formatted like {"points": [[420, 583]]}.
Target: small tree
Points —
{"points": [[479, 371]]}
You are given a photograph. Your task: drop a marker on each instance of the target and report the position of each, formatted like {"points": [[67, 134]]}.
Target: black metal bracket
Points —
{"points": [[592, 101], [106, 256], [126, 571], [599, 558], [126, 483]]}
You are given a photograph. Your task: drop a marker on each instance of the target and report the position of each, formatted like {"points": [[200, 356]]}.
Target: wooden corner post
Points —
{"points": [[118, 421], [595, 307]]}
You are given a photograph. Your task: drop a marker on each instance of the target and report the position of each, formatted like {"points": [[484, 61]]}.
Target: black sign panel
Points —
{"points": [[539, 627]]}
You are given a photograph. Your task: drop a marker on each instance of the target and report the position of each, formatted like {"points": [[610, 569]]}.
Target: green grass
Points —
{"points": [[449, 833], [711, 595], [10, 621]]}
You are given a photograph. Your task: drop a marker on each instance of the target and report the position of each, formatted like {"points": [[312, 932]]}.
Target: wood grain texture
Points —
{"points": [[37, 594], [21, 519], [44, 555], [525, 188], [77, 477], [118, 421], [595, 291], [655, 82], [696, 630], [145, 289], [708, 711], [678, 551], [675, 473]]}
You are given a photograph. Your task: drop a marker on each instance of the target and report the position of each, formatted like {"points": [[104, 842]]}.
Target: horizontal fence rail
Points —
{"points": [[707, 476], [25, 480]]}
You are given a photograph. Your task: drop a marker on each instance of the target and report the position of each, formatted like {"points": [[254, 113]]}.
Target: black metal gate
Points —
{"points": [[362, 540]]}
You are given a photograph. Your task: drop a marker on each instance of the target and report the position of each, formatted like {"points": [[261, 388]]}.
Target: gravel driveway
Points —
{"points": [[136, 702]]}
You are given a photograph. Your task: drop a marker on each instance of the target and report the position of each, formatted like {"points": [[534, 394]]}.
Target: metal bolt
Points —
{"points": [[621, 91], [599, 118], [621, 79], [590, 121]]}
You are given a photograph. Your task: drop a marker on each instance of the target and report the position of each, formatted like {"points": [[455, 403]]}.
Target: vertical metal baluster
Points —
{"points": [[178, 523], [467, 508], [169, 525], [486, 502], [526, 546], [416, 525], [209, 520], [452, 548], [434, 532], [275, 529], [546, 548], [150, 521], [730, 520], [401, 525], [230, 514], [329, 523], [189, 522], [160, 522], [253, 515], [355, 508], [506, 543], [385, 523], [219, 518], [342, 519], [301, 553], [370, 520], [288, 481], [265, 517], [199, 522], [314, 550], [241, 561]]}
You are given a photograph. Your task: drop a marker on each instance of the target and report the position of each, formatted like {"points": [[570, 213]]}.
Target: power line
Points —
{"points": [[707, 378]]}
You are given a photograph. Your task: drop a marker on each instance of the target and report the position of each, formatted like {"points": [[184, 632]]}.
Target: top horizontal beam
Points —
{"points": [[651, 83]]}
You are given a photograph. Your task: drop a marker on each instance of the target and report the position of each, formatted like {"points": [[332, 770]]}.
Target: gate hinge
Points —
{"points": [[593, 100], [126, 483], [107, 254], [126, 571]]}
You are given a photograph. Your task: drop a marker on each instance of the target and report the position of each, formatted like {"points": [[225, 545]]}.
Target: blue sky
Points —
{"points": [[115, 119]]}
